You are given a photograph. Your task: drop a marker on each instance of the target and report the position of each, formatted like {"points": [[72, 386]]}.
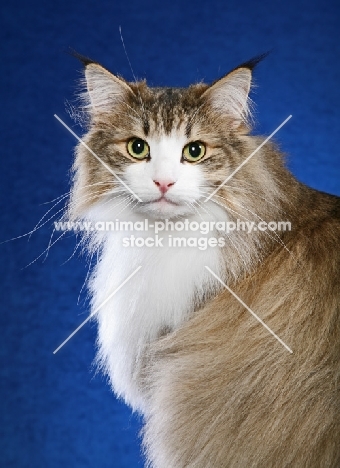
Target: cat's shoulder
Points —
{"points": [[318, 217]]}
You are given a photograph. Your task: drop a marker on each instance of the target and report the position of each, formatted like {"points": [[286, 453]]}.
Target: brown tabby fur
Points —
{"points": [[221, 391], [225, 394]]}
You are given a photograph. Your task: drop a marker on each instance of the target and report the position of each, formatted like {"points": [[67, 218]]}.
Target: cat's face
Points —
{"points": [[169, 146], [167, 185]]}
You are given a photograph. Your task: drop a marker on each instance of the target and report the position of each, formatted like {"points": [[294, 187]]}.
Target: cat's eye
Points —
{"points": [[194, 151], [138, 148]]}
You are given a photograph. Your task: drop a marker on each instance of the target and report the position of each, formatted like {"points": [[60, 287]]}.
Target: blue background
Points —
{"points": [[55, 411]]}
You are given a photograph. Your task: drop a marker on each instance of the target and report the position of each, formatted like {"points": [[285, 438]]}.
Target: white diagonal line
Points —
{"points": [[249, 310], [247, 159], [97, 157], [96, 310]]}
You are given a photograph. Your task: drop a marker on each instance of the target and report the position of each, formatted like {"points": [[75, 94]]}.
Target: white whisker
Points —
{"points": [[82, 241], [140, 97], [37, 258], [49, 245], [86, 277]]}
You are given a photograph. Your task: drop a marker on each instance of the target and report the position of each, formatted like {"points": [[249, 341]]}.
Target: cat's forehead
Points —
{"points": [[169, 109]]}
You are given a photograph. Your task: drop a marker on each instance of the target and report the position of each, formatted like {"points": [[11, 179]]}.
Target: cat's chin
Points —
{"points": [[163, 208]]}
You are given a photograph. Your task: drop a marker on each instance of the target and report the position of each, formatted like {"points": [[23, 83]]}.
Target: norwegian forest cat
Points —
{"points": [[215, 387]]}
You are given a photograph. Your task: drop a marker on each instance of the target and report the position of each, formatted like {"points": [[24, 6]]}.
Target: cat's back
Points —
{"points": [[230, 389]]}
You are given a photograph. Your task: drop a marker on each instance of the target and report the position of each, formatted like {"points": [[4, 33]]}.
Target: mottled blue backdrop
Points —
{"points": [[55, 411]]}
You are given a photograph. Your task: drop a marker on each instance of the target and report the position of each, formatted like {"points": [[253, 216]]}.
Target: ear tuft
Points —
{"points": [[253, 62], [82, 58]]}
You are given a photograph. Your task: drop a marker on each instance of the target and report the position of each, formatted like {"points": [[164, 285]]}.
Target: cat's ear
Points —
{"points": [[104, 90], [230, 94]]}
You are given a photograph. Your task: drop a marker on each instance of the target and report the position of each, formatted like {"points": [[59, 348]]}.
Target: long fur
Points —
{"points": [[215, 387]]}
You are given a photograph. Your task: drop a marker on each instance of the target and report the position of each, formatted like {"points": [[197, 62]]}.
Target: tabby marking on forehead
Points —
{"points": [[172, 107]]}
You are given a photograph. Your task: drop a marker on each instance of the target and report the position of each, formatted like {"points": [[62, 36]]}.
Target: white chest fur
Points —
{"points": [[161, 295]]}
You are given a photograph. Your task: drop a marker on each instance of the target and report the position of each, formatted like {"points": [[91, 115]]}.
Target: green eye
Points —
{"points": [[194, 151], [138, 148]]}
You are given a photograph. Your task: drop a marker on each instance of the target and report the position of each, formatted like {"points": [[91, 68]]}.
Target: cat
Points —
{"points": [[215, 388]]}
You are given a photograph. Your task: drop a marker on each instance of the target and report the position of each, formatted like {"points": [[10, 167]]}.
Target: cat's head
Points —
{"points": [[170, 147]]}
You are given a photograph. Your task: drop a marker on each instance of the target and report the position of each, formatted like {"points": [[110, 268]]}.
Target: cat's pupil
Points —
{"points": [[195, 150], [138, 146]]}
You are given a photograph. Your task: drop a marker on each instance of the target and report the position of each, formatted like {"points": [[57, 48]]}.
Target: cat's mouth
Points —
{"points": [[162, 201], [163, 207]]}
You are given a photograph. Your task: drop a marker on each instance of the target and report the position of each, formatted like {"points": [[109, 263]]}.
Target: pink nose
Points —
{"points": [[163, 185]]}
